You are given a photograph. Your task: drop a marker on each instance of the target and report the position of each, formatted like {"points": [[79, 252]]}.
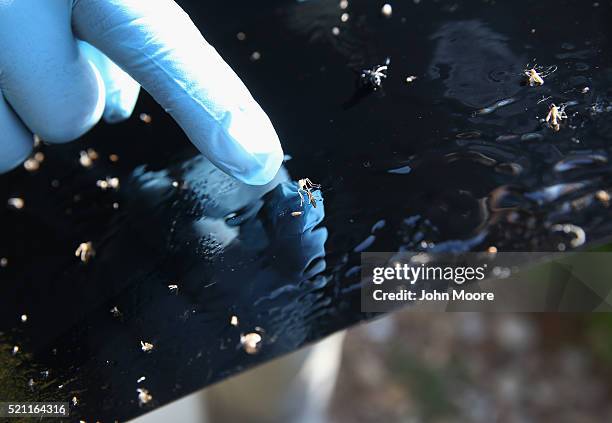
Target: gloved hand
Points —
{"points": [[58, 88]]}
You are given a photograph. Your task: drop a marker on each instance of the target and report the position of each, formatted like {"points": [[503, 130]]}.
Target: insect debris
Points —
{"points": [[305, 186], [556, 114], [146, 346], [143, 396], [251, 342], [85, 251], [374, 76], [535, 74]]}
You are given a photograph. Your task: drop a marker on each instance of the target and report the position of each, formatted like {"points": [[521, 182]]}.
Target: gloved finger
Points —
{"points": [[15, 140], [55, 91], [157, 44], [121, 90]]}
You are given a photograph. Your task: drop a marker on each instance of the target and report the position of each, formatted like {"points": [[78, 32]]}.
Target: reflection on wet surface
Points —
{"points": [[458, 159]]}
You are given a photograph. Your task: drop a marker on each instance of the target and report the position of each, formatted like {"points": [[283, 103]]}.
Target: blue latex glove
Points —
{"points": [[58, 88]]}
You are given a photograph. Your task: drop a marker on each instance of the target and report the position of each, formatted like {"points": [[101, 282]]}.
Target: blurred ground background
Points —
{"points": [[470, 367]]}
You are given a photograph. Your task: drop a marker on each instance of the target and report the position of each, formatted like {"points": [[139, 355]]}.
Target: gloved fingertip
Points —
{"points": [[261, 169], [119, 106]]}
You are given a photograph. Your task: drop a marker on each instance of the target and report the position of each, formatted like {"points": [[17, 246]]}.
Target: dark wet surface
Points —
{"points": [[458, 159]]}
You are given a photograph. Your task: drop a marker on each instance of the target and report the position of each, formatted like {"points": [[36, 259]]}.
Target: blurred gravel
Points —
{"points": [[469, 367]]}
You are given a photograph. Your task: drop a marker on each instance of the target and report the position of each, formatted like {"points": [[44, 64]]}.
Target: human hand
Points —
{"points": [[58, 88]]}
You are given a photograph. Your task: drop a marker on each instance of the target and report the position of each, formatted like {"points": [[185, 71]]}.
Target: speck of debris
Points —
{"points": [[344, 17], [16, 203], [15, 350], [234, 321], [173, 288], [55, 183], [146, 118], [141, 379], [492, 250], [24, 318], [336, 30], [146, 346], [143, 396], [115, 206], [85, 251], [175, 184], [113, 158], [75, 401], [37, 140], [31, 383], [241, 36], [251, 342], [344, 4], [3, 262], [411, 78], [386, 10], [39, 157], [296, 213], [585, 90], [115, 311], [255, 56]]}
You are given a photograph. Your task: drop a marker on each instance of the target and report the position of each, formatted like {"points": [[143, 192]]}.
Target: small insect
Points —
{"points": [[146, 347], [85, 251], [251, 342], [75, 401], [535, 74], [143, 396], [373, 77], [173, 288], [533, 77], [115, 312], [555, 115], [305, 186]]}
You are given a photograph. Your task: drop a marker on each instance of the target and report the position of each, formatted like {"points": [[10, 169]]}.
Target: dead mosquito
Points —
{"points": [[305, 186], [555, 115], [373, 77], [535, 74], [146, 346], [85, 251]]}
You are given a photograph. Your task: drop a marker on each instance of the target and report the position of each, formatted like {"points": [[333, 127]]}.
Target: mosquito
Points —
{"points": [[555, 115], [305, 186], [374, 77], [535, 74]]}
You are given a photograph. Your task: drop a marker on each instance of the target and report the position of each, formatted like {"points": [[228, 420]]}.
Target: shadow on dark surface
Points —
{"points": [[458, 159]]}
